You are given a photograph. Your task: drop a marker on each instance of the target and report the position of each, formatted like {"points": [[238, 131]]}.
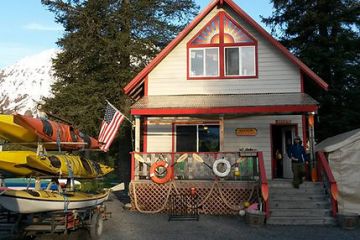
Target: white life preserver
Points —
{"points": [[227, 167]]}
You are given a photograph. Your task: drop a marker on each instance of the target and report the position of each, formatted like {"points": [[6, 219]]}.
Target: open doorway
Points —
{"points": [[282, 137]]}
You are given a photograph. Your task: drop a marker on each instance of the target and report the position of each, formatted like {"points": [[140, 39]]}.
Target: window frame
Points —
{"points": [[221, 51], [197, 133], [204, 61], [240, 60]]}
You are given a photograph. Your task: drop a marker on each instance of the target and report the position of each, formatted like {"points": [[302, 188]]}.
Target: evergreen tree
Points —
{"points": [[325, 35], [105, 44]]}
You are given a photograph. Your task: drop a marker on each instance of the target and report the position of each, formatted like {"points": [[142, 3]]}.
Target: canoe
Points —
{"points": [[27, 163], [31, 201], [15, 162], [52, 131], [68, 166], [13, 132]]}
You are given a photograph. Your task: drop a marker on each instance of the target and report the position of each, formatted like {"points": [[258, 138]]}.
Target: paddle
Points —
{"points": [[197, 158], [118, 187]]}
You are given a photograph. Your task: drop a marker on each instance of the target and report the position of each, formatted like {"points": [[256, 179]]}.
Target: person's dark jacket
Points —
{"points": [[297, 153]]}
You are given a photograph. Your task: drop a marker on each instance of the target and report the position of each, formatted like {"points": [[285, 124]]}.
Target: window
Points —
{"points": [[197, 138], [240, 61], [204, 62], [222, 49]]}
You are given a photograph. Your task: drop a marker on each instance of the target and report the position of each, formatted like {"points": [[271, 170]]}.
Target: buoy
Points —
{"points": [[227, 167], [160, 179]]}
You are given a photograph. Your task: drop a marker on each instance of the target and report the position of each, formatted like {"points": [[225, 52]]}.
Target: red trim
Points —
{"points": [[221, 46], [146, 86], [301, 81], [249, 20], [228, 110], [264, 184], [304, 130], [145, 135]]}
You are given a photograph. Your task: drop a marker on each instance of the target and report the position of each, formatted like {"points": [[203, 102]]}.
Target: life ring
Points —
{"points": [[160, 179], [227, 167]]}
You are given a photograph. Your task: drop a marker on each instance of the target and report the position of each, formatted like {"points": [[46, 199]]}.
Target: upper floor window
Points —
{"points": [[222, 49]]}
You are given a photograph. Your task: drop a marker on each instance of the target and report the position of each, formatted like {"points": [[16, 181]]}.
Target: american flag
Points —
{"points": [[109, 126]]}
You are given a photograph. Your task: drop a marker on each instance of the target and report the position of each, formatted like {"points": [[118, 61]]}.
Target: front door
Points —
{"points": [[287, 134], [282, 139]]}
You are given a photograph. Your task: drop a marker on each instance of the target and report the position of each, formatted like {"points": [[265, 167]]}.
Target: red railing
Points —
{"points": [[264, 184], [325, 174]]}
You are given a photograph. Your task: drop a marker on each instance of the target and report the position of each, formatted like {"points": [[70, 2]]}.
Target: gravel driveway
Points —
{"points": [[125, 224]]}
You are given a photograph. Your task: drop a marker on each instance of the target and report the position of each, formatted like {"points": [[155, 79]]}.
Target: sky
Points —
{"points": [[28, 28]]}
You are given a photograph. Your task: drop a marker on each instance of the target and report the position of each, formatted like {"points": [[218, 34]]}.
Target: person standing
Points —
{"points": [[299, 159]]}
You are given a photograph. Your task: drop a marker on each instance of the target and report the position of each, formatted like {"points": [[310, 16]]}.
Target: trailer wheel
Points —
{"points": [[96, 226]]}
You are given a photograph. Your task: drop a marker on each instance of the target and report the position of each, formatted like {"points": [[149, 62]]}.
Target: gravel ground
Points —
{"points": [[125, 224]]}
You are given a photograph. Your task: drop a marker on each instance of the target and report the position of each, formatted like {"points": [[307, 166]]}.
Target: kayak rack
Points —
{"points": [[15, 225]]}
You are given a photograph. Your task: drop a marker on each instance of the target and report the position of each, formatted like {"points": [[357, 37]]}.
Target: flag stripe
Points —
{"points": [[109, 127]]}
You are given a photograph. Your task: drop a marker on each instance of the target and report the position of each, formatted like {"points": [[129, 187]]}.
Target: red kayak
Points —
{"points": [[56, 132]]}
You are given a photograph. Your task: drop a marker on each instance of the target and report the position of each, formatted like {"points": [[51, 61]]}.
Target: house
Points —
{"points": [[224, 92]]}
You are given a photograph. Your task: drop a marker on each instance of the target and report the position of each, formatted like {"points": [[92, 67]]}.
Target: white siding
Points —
{"points": [[159, 138], [262, 141], [276, 73]]}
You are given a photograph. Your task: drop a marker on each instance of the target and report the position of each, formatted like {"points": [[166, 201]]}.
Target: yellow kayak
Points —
{"points": [[68, 166], [12, 132], [33, 201], [27, 163], [15, 162]]}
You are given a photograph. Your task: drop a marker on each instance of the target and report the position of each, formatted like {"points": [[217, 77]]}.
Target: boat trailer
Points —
{"points": [[30, 226]]}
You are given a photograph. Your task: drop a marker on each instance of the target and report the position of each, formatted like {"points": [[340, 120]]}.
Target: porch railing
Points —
{"points": [[196, 166], [264, 184], [325, 175]]}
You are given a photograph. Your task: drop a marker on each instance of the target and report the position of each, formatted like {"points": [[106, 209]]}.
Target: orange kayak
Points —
{"points": [[52, 131]]}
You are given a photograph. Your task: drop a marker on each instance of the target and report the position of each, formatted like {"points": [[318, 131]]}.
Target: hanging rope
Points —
{"points": [[236, 207]]}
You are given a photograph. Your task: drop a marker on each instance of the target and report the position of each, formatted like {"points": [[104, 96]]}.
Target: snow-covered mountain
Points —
{"points": [[23, 84]]}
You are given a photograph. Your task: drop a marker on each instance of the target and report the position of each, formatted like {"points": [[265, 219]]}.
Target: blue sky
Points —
{"points": [[27, 27]]}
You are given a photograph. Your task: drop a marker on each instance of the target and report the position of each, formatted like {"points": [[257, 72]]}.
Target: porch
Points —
{"points": [[245, 182]]}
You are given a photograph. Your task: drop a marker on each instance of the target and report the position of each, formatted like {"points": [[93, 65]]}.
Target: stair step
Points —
{"points": [[301, 221], [300, 213], [298, 197], [301, 190], [288, 184], [286, 204]]}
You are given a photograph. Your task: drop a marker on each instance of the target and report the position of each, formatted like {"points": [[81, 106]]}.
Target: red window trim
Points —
{"points": [[221, 47]]}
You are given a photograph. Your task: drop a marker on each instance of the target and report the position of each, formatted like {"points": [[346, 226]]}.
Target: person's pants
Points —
{"points": [[299, 173]]}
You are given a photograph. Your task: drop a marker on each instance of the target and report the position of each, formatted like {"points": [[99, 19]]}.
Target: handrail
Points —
{"points": [[264, 184], [323, 166]]}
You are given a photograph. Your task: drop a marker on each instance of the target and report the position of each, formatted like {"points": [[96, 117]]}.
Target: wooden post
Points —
{"points": [[137, 145], [222, 130]]}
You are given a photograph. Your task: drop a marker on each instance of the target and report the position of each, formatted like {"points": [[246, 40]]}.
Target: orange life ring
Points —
{"points": [[157, 179]]}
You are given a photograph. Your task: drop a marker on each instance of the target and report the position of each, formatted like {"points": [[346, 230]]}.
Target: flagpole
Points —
{"points": [[119, 112]]}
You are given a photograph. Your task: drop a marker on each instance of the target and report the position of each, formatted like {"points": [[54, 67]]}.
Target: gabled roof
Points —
{"points": [[305, 69]]}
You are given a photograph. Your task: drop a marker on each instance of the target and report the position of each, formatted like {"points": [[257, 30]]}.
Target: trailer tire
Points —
{"points": [[96, 226]]}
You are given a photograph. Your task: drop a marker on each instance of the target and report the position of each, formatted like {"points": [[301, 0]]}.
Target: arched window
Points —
{"points": [[222, 49]]}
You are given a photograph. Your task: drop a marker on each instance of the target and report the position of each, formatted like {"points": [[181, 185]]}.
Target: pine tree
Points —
{"points": [[105, 44], [325, 35]]}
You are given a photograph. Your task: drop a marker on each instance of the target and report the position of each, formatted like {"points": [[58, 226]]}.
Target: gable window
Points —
{"points": [[222, 49]]}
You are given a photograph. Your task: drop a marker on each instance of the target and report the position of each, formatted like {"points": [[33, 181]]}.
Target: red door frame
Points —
{"points": [[273, 161]]}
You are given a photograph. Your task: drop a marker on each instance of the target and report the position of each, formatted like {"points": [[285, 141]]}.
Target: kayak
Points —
{"points": [[15, 162], [68, 166], [31, 201], [27, 163], [13, 132], [55, 132]]}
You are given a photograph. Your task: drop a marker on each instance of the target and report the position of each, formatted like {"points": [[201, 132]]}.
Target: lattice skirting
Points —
{"points": [[214, 197]]}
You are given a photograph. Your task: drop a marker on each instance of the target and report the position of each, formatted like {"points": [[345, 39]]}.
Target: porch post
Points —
{"points": [[137, 133], [137, 146], [222, 130], [311, 138]]}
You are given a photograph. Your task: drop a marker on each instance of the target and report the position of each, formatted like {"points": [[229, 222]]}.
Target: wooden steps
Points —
{"points": [[307, 205]]}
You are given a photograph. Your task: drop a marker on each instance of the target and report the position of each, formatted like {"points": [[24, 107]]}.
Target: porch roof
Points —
{"points": [[224, 104]]}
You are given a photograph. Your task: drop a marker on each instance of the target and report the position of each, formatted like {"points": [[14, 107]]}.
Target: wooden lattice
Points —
{"points": [[215, 198]]}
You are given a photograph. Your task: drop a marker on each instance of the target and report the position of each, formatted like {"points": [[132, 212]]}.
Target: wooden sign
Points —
{"points": [[246, 131], [283, 122]]}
